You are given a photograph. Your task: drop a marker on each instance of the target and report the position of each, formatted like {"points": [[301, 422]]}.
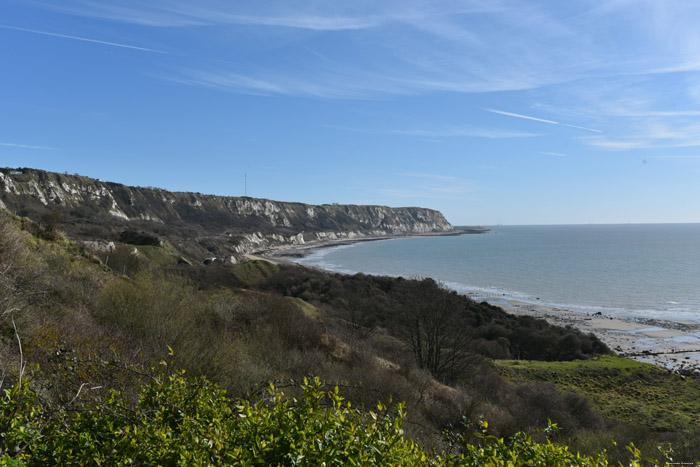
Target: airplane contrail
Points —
{"points": [[84, 39], [510, 114]]}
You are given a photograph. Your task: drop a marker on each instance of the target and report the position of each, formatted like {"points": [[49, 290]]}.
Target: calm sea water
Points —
{"points": [[631, 271]]}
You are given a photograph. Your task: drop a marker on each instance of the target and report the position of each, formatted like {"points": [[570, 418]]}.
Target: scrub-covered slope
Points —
{"points": [[197, 225]]}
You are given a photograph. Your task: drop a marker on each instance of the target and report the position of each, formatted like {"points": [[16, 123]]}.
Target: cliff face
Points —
{"points": [[235, 225]]}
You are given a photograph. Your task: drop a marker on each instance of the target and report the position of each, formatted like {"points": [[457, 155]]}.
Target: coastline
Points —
{"points": [[668, 344], [673, 345], [284, 253]]}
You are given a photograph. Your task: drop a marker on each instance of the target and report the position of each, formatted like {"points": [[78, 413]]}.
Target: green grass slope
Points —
{"points": [[620, 388]]}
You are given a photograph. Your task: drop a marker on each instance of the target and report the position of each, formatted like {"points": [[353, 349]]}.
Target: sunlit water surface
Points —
{"points": [[630, 271]]}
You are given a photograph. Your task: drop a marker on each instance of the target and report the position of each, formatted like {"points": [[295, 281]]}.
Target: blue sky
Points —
{"points": [[492, 111]]}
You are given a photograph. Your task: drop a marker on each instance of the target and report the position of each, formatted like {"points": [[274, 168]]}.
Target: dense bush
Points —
{"points": [[441, 326], [133, 237], [192, 422]]}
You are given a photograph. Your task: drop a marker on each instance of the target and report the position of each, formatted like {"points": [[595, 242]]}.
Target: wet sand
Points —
{"points": [[674, 345], [283, 253]]}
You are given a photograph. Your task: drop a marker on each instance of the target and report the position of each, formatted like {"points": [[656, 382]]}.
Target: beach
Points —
{"points": [[672, 344], [285, 253]]}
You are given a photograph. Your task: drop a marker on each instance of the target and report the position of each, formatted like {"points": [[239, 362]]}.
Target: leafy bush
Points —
{"points": [[182, 422], [177, 421], [133, 237], [441, 327]]}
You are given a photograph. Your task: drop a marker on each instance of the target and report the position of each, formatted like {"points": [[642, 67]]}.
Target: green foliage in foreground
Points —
{"points": [[620, 388], [181, 422]]}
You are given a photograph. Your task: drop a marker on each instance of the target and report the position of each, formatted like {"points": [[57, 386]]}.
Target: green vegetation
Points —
{"points": [[252, 272], [138, 238], [620, 388], [198, 226], [77, 337], [179, 421], [308, 309], [442, 328]]}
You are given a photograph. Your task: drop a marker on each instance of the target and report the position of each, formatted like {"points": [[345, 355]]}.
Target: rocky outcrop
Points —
{"points": [[235, 225]]}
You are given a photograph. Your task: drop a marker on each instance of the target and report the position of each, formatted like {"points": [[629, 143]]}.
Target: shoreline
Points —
{"points": [[283, 253], [673, 345]]}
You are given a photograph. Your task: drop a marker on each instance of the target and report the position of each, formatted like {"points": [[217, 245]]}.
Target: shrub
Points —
{"points": [[133, 237], [177, 421]]}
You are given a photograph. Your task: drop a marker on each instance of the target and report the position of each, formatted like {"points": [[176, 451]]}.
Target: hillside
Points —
{"points": [[197, 225], [86, 329]]}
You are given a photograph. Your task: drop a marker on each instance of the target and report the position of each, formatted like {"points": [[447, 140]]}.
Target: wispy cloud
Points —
{"points": [[675, 157], [407, 47], [527, 117], [446, 132], [423, 185], [510, 114], [297, 21], [581, 127], [553, 154], [426, 192], [332, 87], [174, 13], [621, 145], [342, 82], [412, 47], [653, 135], [467, 131], [83, 39], [27, 146], [655, 113]]}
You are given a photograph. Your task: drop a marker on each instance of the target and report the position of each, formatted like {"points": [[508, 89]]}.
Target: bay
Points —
{"points": [[648, 271]]}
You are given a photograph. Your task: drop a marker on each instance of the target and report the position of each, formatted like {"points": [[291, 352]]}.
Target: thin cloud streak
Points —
{"points": [[644, 144], [440, 53], [433, 52], [673, 157], [444, 133], [553, 154], [27, 146], [654, 135], [173, 14], [510, 114], [657, 113], [336, 84], [310, 22], [341, 84], [582, 127], [433, 186], [83, 39], [428, 192], [468, 131], [527, 117]]}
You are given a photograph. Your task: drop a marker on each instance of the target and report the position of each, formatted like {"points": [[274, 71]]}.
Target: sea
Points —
{"points": [[630, 271]]}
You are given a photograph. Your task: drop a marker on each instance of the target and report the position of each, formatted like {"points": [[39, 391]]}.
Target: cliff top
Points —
{"points": [[197, 225]]}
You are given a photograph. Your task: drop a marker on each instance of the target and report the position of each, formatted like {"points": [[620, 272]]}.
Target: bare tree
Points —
{"points": [[20, 282], [433, 322]]}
